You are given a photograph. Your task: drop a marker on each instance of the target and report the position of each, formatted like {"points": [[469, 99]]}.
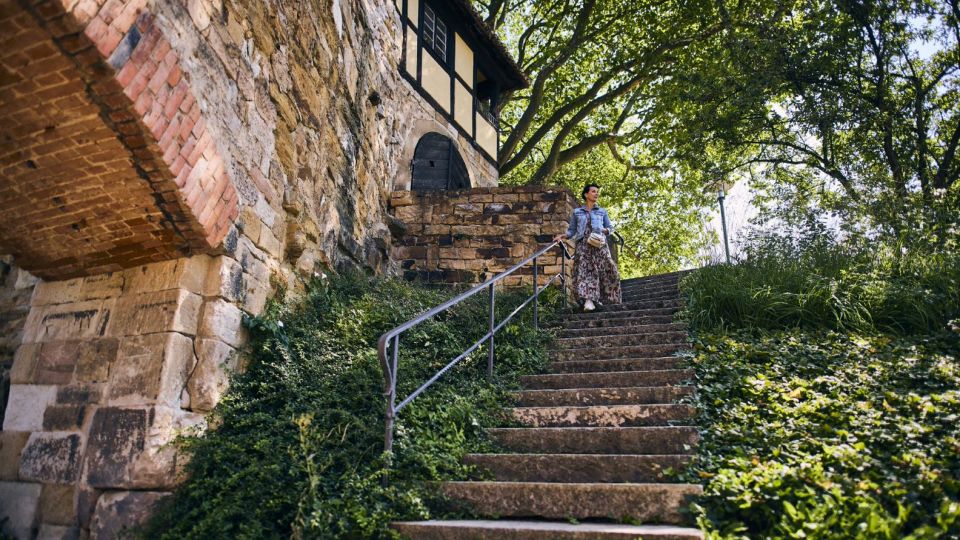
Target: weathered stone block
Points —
{"points": [[11, 444], [18, 508], [216, 361], [117, 436], [174, 310], [63, 417], [51, 457], [26, 405], [402, 198], [225, 279], [222, 320], [188, 273], [255, 296], [56, 363], [100, 286], [24, 363], [150, 369], [58, 505], [94, 359], [79, 394], [61, 322], [118, 513], [59, 532]]}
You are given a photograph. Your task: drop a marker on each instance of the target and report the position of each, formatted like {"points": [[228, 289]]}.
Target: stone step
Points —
{"points": [[626, 320], [633, 298], [641, 293], [610, 379], [658, 277], [503, 529], [628, 364], [620, 340], [673, 302], [619, 314], [649, 503], [621, 330], [606, 468], [658, 414], [598, 440], [631, 351], [602, 396]]}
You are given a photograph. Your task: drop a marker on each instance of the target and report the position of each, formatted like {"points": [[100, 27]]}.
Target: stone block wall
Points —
{"points": [[110, 370], [471, 235]]}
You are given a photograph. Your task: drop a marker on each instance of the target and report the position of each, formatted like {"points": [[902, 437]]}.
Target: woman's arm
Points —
{"points": [[606, 223]]}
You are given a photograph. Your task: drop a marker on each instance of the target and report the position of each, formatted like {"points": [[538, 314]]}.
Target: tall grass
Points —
{"points": [[822, 284]]}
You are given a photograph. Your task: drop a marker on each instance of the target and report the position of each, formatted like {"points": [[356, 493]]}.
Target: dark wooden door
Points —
{"points": [[437, 166]]}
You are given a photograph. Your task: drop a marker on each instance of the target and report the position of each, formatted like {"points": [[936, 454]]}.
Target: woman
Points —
{"points": [[595, 276]]}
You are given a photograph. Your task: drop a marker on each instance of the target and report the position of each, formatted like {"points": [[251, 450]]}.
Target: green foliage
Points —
{"points": [[783, 283], [826, 435], [853, 105], [297, 447]]}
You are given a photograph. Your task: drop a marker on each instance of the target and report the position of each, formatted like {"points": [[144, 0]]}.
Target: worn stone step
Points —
{"points": [[620, 340], [640, 304], [613, 322], [598, 440], [627, 364], [602, 396], [679, 274], [607, 468], [630, 351], [670, 284], [636, 294], [619, 314], [610, 379], [657, 414], [621, 330], [649, 503], [503, 529]]}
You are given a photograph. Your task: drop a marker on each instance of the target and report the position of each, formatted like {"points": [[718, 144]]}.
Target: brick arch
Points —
{"points": [[106, 160]]}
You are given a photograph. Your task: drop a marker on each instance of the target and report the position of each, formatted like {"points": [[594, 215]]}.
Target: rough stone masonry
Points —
{"points": [[163, 163]]}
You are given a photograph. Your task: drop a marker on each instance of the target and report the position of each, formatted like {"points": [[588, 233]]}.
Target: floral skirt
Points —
{"points": [[595, 276]]}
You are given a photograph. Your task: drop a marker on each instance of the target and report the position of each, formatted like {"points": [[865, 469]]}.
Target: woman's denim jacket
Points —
{"points": [[599, 220]]}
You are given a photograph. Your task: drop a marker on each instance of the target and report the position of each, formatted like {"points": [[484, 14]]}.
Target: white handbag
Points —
{"points": [[596, 239]]}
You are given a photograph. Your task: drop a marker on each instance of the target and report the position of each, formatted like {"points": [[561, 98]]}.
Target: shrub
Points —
{"points": [[298, 443], [821, 284], [828, 435]]}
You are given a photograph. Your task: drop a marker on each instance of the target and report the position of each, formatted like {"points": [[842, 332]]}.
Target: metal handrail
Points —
{"points": [[391, 338]]}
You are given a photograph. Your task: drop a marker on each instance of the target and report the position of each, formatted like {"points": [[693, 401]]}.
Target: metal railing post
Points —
{"points": [[490, 344], [536, 295], [563, 274]]}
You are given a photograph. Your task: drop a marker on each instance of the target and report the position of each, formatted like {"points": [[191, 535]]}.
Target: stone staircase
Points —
{"points": [[599, 430]]}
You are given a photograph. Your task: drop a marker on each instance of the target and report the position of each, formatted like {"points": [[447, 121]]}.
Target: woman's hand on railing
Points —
{"points": [[559, 237]]}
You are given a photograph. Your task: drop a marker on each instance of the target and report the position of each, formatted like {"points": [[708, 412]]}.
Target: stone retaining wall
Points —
{"points": [[471, 235], [111, 369]]}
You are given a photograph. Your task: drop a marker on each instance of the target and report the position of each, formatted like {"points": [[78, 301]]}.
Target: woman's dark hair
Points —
{"points": [[586, 188]]}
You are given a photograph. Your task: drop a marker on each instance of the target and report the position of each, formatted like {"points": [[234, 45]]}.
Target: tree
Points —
{"points": [[593, 66], [855, 99]]}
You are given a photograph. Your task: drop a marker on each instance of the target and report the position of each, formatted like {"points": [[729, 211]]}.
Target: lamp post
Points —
{"points": [[723, 221]]}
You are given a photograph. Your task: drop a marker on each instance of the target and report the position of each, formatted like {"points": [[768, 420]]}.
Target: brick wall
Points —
{"points": [[471, 235]]}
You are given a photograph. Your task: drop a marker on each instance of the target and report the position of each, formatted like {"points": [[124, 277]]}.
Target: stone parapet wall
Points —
{"points": [[469, 236]]}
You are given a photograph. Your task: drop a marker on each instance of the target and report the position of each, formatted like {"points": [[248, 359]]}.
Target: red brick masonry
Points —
{"points": [[105, 159]]}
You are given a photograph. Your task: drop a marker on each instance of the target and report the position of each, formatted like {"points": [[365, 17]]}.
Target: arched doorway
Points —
{"points": [[437, 165]]}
